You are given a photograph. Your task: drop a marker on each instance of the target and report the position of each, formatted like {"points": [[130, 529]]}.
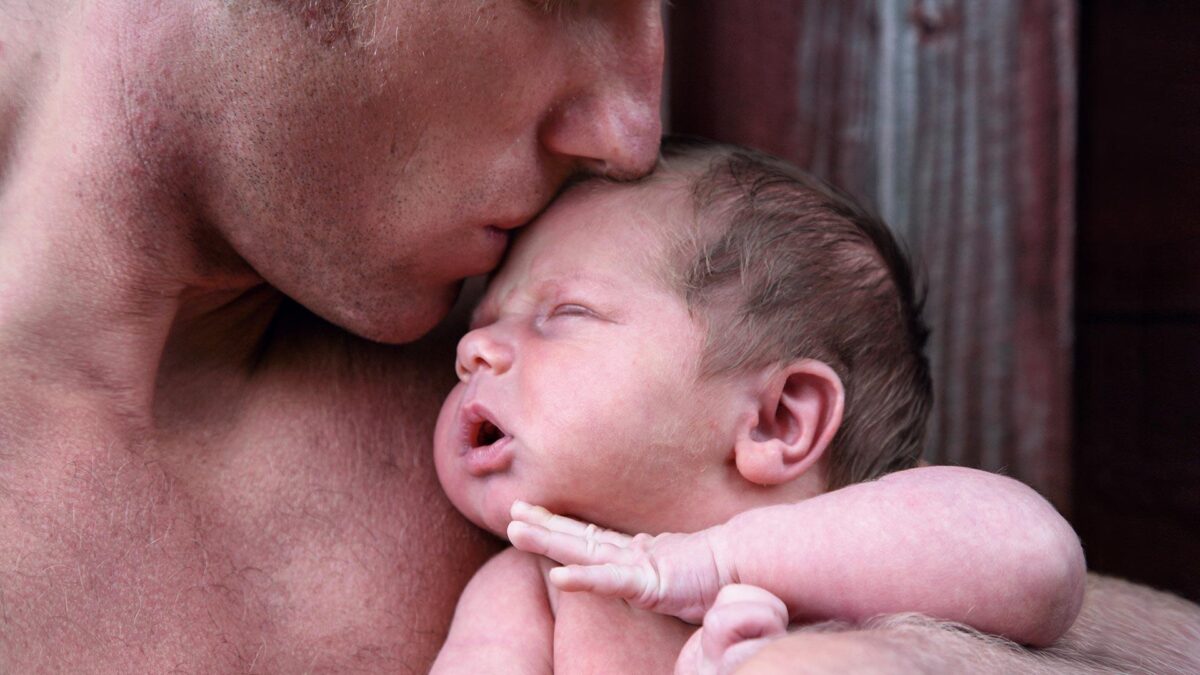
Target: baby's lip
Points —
{"points": [[474, 416], [483, 459]]}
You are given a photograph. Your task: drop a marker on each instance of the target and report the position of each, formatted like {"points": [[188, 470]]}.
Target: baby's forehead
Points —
{"points": [[597, 230], [644, 222], [653, 210]]}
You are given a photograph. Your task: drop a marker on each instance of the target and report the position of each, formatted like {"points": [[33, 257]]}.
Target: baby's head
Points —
{"points": [[724, 334]]}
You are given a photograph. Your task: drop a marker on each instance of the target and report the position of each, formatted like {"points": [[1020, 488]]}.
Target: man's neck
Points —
{"points": [[105, 266]]}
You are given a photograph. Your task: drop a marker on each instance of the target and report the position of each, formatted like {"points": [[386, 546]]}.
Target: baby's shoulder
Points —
{"points": [[593, 633], [515, 569]]}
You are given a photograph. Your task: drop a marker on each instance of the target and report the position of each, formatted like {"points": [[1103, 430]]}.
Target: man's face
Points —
{"points": [[579, 385], [366, 177]]}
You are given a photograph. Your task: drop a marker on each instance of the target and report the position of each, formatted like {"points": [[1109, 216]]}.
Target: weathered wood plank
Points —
{"points": [[956, 120]]}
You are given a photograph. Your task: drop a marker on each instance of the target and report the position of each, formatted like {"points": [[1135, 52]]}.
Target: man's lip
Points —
{"points": [[486, 251], [498, 238], [510, 224]]}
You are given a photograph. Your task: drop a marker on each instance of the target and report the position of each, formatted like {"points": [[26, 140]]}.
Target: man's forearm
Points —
{"points": [[1122, 628]]}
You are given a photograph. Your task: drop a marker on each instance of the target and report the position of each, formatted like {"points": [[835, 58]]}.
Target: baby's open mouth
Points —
{"points": [[488, 447], [487, 433]]}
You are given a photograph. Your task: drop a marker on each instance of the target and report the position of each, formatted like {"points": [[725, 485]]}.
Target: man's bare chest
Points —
{"points": [[306, 534]]}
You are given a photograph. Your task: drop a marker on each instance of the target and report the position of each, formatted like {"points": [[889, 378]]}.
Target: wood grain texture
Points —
{"points": [[956, 120]]}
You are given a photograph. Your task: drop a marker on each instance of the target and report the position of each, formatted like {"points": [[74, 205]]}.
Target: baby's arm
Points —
{"points": [[503, 622], [952, 543]]}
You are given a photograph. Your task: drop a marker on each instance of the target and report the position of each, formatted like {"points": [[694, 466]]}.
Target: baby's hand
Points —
{"points": [[741, 622], [675, 574]]}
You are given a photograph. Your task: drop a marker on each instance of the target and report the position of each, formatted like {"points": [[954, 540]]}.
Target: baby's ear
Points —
{"points": [[799, 411]]}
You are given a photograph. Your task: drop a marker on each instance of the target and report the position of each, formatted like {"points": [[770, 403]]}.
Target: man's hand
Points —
{"points": [[675, 574]]}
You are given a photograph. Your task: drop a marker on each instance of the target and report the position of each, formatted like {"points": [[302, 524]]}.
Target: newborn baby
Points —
{"points": [[728, 348]]}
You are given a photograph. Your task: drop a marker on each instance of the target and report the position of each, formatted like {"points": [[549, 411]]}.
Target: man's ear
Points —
{"points": [[799, 411]]}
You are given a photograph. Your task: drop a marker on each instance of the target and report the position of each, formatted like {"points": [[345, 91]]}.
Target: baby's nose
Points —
{"points": [[482, 349]]}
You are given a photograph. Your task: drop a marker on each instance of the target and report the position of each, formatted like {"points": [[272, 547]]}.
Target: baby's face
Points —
{"points": [[578, 383]]}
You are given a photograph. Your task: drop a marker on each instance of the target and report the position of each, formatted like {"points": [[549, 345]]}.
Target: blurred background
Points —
{"points": [[1042, 160]]}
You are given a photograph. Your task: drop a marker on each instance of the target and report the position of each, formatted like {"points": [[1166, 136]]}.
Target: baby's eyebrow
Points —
{"points": [[575, 282]]}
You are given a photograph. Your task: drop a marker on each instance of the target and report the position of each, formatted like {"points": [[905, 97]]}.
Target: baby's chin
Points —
{"points": [[477, 503], [489, 513]]}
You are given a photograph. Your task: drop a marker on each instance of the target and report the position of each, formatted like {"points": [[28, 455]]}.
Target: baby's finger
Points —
{"points": [[693, 661], [741, 613], [568, 549], [738, 654], [536, 515], [622, 581], [731, 594]]}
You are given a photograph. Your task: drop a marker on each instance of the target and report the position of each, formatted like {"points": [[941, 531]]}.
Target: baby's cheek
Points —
{"points": [[473, 498], [443, 433], [450, 472]]}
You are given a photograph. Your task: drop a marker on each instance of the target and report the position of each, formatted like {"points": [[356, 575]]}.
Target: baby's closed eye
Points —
{"points": [[571, 309]]}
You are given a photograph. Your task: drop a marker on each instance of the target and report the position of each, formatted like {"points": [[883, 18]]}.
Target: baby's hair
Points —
{"points": [[782, 266]]}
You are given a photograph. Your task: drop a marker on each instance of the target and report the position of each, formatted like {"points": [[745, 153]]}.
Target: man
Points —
{"points": [[1122, 628], [195, 474]]}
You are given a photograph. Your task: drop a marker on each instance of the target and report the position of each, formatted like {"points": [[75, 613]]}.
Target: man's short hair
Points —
{"points": [[781, 266]]}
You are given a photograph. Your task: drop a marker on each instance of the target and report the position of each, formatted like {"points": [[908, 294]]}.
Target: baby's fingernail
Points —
{"points": [[559, 575], [517, 507], [516, 527]]}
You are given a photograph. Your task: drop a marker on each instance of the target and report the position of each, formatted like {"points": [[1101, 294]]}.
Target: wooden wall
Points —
{"points": [[955, 118], [1137, 495]]}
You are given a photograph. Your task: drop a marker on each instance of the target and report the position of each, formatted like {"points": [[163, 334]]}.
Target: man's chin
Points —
{"points": [[411, 329], [401, 321]]}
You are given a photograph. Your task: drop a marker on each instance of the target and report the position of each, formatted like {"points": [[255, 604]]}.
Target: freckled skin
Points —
{"points": [[196, 473]]}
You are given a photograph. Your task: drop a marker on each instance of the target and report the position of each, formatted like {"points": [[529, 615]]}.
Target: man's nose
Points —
{"points": [[612, 127], [480, 349]]}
